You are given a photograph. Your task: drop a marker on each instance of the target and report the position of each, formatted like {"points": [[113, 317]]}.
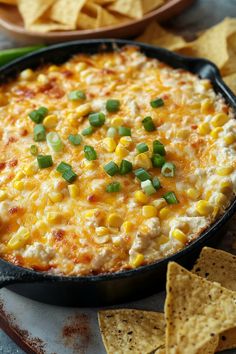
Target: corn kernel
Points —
{"points": [[193, 193], [126, 141], [19, 185], [226, 186], [56, 197], [53, 68], [137, 261], [42, 79], [109, 144], [73, 120], [114, 220], [90, 213], [26, 74], [179, 235], [162, 240], [19, 176], [116, 121], [204, 128], [221, 199], [19, 238], [206, 106], [73, 190], [182, 133], [140, 197], [89, 165], [224, 171], [159, 203], [229, 139], [83, 110], [127, 226], [31, 169], [216, 132], [121, 151], [50, 121], [54, 217], [164, 213], [142, 160], [206, 84], [149, 211], [219, 119], [80, 67], [204, 208], [102, 230], [3, 195]]}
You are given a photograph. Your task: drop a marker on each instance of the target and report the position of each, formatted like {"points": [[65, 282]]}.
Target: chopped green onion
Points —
{"points": [[142, 174], [148, 124], [111, 168], [147, 187], [38, 115], [158, 102], [113, 105], [170, 198], [77, 95], [54, 141], [158, 148], [63, 166], [96, 119], [113, 187], [158, 160], [156, 183], [39, 133], [142, 147], [34, 150], [90, 153], [168, 169], [69, 175], [124, 131], [125, 167], [87, 131], [111, 132], [75, 139], [44, 161]]}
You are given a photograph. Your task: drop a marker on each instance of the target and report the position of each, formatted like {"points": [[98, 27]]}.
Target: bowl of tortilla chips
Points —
{"points": [[60, 20]]}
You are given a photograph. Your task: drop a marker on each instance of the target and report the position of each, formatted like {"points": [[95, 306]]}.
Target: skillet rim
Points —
{"points": [[200, 65]]}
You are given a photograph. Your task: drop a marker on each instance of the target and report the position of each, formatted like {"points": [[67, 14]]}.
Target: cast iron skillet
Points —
{"points": [[106, 289]]}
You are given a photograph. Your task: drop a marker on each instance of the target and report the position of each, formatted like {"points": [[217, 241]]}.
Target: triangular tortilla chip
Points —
{"points": [[131, 8], [155, 34], [230, 80], [86, 22], [105, 18], [196, 310], [43, 27], [220, 266], [131, 331], [208, 348], [31, 11], [66, 11], [212, 44], [149, 5]]}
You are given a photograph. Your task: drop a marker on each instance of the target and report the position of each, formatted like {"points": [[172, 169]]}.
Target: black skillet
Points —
{"points": [[106, 289]]}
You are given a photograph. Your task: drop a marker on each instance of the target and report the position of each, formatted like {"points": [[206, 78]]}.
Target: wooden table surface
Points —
{"points": [[203, 14]]}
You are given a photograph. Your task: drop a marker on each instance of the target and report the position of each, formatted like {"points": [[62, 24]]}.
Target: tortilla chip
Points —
{"points": [[31, 11], [44, 27], [9, 2], [160, 351], [105, 18], [220, 266], [230, 66], [131, 331], [212, 44], [85, 21], [155, 34], [66, 11], [230, 80], [196, 310], [131, 8], [149, 5]]}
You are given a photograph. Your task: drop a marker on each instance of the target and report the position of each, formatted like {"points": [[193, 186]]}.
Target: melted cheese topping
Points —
{"points": [[46, 224]]}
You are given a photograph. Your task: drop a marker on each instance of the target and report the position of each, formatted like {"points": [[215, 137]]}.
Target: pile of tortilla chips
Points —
{"points": [[199, 317], [217, 44], [56, 15]]}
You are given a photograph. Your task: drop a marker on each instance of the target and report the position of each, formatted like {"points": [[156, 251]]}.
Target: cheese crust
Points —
{"points": [[80, 228]]}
